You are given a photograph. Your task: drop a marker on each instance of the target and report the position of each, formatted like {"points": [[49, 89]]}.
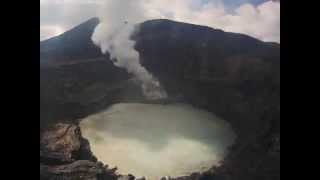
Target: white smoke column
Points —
{"points": [[117, 23]]}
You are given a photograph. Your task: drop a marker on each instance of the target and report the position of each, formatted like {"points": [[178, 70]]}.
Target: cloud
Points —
{"points": [[49, 31], [261, 21], [65, 14]]}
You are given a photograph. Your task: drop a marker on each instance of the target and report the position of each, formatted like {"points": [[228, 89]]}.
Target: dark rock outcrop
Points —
{"points": [[78, 170], [65, 154], [232, 75], [63, 143]]}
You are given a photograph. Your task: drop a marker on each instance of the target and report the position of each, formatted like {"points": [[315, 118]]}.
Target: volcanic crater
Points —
{"points": [[226, 80]]}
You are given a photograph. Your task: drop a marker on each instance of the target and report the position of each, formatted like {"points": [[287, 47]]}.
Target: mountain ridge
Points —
{"points": [[71, 43]]}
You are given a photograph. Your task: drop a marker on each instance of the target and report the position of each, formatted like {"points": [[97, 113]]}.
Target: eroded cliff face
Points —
{"points": [[65, 154], [233, 75]]}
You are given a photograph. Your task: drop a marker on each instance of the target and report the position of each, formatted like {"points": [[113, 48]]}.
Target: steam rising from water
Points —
{"points": [[157, 140], [113, 35]]}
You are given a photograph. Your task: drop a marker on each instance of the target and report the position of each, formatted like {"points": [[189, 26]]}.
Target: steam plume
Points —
{"points": [[117, 23]]}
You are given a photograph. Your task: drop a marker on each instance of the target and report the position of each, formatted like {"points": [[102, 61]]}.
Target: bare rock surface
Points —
{"points": [[65, 154]]}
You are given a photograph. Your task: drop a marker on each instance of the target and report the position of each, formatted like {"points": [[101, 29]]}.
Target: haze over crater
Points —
{"points": [[157, 140]]}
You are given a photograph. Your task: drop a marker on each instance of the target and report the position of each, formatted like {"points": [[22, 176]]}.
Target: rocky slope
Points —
{"points": [[233, 75]]}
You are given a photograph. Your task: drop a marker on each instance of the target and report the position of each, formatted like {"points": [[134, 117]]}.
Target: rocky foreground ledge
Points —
{"points": [[65, 154]]}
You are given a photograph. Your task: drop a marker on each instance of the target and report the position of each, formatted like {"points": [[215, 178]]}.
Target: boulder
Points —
{"points": [[62, 144]]}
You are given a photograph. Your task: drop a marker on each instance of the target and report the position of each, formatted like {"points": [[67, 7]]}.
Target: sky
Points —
{"points": [[257, 18]]}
